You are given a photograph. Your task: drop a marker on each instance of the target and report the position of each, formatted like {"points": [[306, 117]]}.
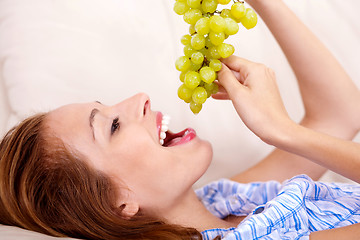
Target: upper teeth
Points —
{"points": [[164, 127]]}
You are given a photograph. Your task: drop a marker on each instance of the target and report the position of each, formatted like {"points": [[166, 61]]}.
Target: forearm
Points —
{"points": [[336, 154], [319, 74], [305, 52], [281, 165], [351, 232]]}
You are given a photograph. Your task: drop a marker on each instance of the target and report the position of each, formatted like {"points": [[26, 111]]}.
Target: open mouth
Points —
{"points": [[168, 138]]}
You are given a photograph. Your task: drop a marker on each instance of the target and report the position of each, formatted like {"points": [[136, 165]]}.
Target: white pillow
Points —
{"points": [[4, 108], [11, 233], [62, 51]]}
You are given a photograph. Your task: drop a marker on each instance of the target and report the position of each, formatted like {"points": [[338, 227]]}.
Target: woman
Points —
{"points": [[101, 172]]}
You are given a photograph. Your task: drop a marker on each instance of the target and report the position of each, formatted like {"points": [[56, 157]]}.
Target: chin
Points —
{"points": [[205, 157], [209, 150]]}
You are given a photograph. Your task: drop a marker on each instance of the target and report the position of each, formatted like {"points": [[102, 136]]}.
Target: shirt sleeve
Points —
{"points": [[301, 207]]}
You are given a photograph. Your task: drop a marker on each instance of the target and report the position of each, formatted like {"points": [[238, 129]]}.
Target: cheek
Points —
{"points": [[134, 154]]}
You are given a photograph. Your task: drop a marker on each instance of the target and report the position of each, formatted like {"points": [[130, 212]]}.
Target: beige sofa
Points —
{"points": [[62, 51]]}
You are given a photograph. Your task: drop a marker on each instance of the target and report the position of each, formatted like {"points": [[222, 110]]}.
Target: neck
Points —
{"points": [[190, 212]]}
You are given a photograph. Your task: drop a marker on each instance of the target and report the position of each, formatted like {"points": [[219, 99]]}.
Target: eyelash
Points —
{"points": [[115, 125]]}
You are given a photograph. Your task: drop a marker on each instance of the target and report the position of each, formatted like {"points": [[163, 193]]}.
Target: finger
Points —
{"points": [[228, 80], [237, 64], [238, 76], [220, 87], [220, 96]]}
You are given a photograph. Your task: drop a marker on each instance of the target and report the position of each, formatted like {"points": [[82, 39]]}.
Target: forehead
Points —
{"points": [[71, 121], [69, 114]]}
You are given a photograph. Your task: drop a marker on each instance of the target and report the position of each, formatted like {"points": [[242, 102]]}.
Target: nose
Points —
{"points": [[142, 97], [136, 105]]}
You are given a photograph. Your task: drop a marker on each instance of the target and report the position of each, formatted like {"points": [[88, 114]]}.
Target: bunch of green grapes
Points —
{"points": [[204, 45]]}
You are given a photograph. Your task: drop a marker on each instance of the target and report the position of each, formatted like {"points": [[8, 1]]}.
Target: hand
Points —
{"points": [[254, 93]]}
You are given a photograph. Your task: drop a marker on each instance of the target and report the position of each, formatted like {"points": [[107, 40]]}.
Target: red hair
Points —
{"points": [[47, 188]]}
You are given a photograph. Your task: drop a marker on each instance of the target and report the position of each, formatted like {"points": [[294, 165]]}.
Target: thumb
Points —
{"points": [[230, 82]]}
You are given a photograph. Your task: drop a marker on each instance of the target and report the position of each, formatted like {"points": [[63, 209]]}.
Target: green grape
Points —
{"points": [[194, 3], [202, 26], [237, 20], [209, 6], [208, 42], [217, 24], [195, 108], [231, 26], [198, 41], [192, 30], [217, 38], [192, 16], [250, 19], [185, 93], [192, 79], [182, 64], [226, 50], [186, 39], [211, 88], [226, 13], [205, 51], [214, 53], [199, 95], [207, 74], [238, 10], [180, 8], [215, 64], [182, 76], [195, 67], [197, 58], [224, 2], [205, 44], [188, 50]]}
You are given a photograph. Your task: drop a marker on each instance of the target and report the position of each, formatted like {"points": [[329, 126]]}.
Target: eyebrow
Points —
{"points": [[92, 119]]}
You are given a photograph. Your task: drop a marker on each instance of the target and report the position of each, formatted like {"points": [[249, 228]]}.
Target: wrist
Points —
{"points": [[263, 6], [283, 135]]}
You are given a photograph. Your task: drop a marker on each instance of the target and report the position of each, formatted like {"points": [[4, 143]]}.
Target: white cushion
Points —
{"points": [[15, 233], [62, 51], [4, 108]]}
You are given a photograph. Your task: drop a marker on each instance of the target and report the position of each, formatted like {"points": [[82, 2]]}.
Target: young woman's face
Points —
{"points": [[124, 141]]}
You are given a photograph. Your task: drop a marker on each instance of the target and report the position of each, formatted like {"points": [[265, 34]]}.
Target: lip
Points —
{"points": [[186, 136]]}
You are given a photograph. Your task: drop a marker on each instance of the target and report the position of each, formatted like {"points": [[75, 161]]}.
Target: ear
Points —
{"points": [[129, 210]]}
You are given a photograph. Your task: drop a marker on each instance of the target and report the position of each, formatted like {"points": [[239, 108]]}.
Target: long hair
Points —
{"points": [[47, 188]]}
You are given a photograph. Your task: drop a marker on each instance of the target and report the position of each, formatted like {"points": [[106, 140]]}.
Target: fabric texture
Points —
{"points": [[291, 210], [64, 51]]}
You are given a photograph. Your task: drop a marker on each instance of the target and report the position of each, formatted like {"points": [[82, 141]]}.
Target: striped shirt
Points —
{"points": [[291, 210]]}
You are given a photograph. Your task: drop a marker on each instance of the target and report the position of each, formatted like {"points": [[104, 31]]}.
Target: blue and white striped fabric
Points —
{"points": [[291, 210]]}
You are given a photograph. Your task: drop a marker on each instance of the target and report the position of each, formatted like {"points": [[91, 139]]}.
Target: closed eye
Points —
{"points": [[115, 125]]}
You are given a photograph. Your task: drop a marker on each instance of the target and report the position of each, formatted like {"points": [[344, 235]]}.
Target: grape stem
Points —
{"points": [[205, 62], [240, 1]]}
